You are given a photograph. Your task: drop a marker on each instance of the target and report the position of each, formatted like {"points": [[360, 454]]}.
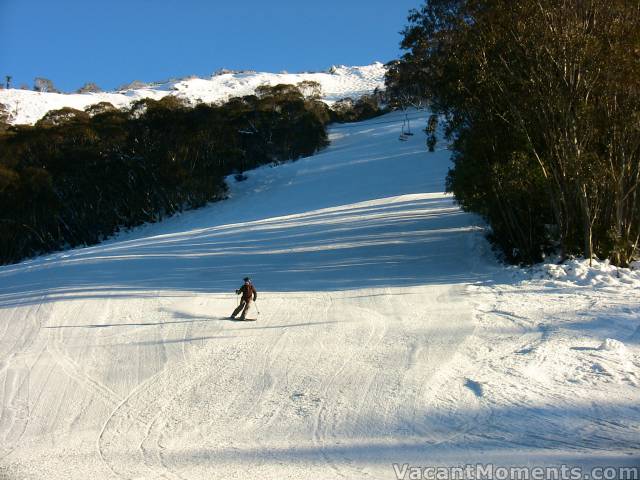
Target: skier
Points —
{"points": [[249, 295]]}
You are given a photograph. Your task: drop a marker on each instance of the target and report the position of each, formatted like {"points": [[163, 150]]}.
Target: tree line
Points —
{"points": [[540, 100], [77, 177]]}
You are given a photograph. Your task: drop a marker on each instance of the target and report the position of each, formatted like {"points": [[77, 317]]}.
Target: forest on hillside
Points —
{"points": [[540, 101], [77, 177]]}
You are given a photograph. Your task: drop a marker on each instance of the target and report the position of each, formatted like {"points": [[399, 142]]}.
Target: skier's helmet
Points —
{"points": [[247, 280]]}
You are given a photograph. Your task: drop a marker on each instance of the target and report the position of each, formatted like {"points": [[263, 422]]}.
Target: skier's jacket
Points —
{"points": [[248, 292]]}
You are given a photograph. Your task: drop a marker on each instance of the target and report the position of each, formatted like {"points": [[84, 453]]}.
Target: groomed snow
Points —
{"points": [[27, 107], [388, 334]]}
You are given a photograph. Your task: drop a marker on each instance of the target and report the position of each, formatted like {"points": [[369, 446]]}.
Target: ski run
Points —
{"points": [[389, 338]]}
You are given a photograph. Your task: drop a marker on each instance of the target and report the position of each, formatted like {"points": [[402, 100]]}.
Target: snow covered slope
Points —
{"points": [[27, 107], [387, 334]]}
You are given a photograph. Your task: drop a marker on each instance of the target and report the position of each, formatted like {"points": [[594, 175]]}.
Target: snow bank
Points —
{"points": [[557, 351], [612, 345], [578, 272], [27, 107]]}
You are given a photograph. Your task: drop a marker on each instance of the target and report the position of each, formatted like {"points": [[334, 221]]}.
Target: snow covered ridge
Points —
{"points": [[577, 272], [27, 107]]}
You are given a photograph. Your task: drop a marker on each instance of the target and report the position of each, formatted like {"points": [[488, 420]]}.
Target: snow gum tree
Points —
{"points": [[41, 84], [89, 87], [541, 101]]}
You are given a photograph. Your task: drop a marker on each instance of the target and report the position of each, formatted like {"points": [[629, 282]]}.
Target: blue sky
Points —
{"points": [[114, 42]]}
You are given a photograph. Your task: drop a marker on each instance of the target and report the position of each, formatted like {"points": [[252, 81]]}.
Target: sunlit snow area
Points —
{"points": [[27, 107], [388, 333]]}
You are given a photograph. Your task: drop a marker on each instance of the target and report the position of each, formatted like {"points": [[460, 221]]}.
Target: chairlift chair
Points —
{"points": [[406, 129]]}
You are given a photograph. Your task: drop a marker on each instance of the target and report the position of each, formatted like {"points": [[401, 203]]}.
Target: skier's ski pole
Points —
{"points": [[256, 302]]}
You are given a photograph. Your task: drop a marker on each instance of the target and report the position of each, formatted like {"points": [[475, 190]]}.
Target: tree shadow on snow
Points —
{"points": [[584, 435], [399, 244]]}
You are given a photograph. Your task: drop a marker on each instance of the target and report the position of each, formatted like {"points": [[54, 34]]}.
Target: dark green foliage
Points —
{"points": [[77, 177], [4, 117], [364, 108], [310, 89], [98, 108], [541, 100], [404, 83], [67, 115]]}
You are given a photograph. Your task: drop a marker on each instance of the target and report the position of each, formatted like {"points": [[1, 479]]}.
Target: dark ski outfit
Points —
{"points": [[249, 295]]}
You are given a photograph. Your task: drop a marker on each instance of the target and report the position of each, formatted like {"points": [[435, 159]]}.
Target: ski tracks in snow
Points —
{"points": [[397, 340], [21, 351], [332, 394], [130, 442], [540, 361]]}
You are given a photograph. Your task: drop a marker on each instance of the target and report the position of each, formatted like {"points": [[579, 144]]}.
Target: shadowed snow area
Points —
{"points": [[367, 212], [386, 334]]}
